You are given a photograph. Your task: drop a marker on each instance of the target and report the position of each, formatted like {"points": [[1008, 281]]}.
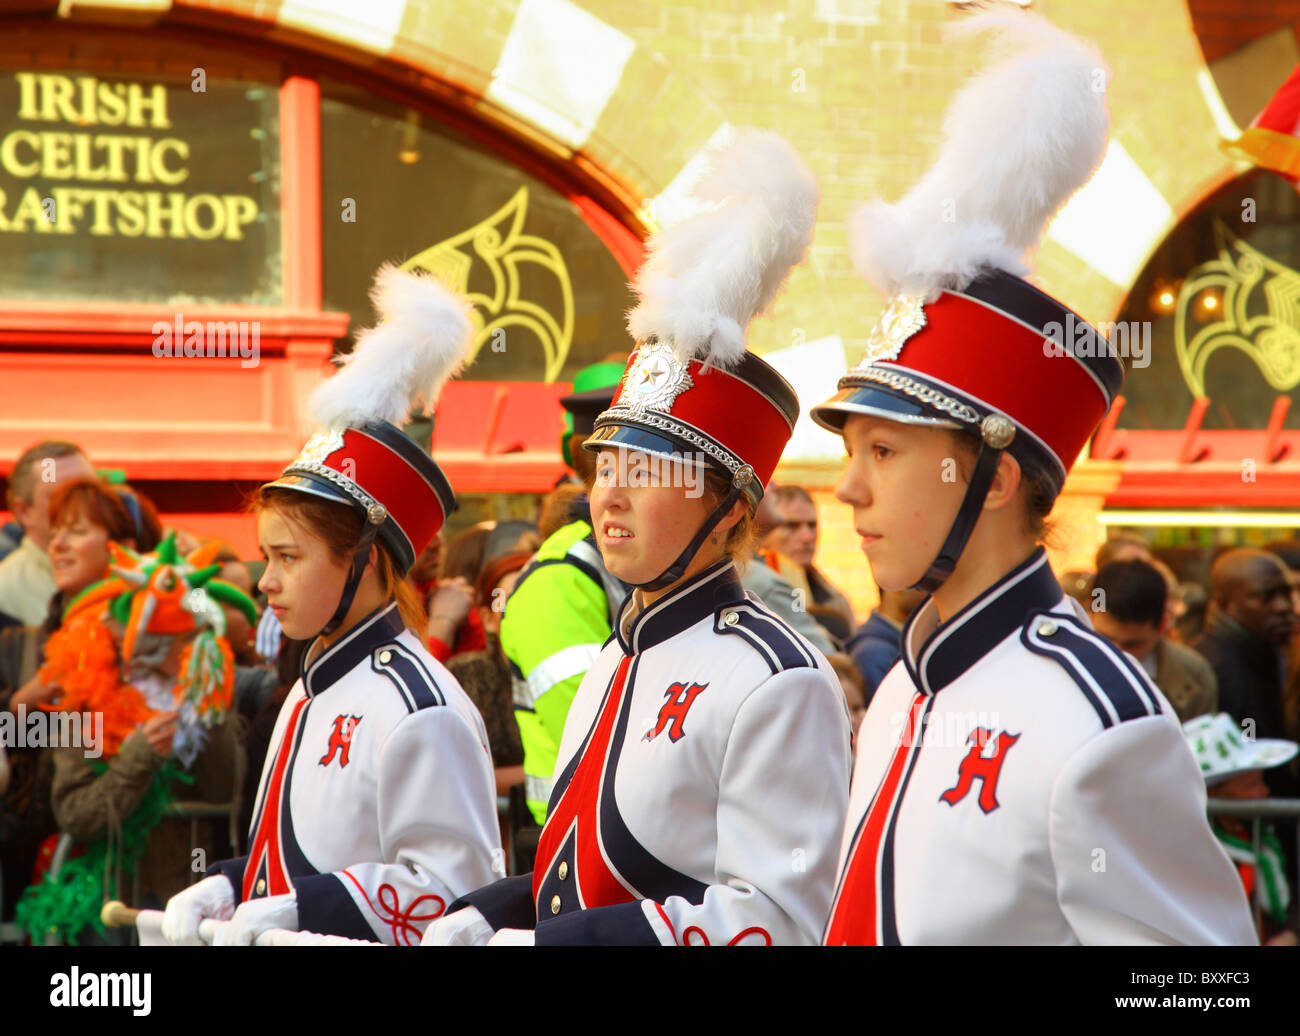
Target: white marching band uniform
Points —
{"points": [[377, 804], [379, 757], [701, 785], [703, 773], [1025, 744]]}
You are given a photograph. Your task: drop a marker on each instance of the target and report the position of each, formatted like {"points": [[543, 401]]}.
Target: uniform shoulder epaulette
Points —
{"points": [[407, 673], [1115, 687], [779, 645]]}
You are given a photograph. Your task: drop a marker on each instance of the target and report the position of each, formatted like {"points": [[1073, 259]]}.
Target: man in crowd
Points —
{"points": [[26, 575], [794, 535], [777, 592], [1128, 606], [1249, 624]]}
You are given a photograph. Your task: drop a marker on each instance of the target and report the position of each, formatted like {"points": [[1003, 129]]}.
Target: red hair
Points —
{"points": [[496, 570], [106, 506]]}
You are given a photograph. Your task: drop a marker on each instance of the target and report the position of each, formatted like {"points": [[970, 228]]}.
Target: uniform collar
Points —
{"points": [[379, 627], [714, 588], [935, 654]]}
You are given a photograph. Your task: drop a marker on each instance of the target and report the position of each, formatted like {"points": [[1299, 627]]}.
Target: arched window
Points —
{"points": [[1221, 298]]}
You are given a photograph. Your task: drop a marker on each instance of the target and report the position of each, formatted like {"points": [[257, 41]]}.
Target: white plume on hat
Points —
{"points": [[422, 339], [710, 274], [1019, 139]]}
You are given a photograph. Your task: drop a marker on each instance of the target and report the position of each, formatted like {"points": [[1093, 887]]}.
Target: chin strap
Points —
{"points": [[677, 569], [359, 560], [996, 433]]}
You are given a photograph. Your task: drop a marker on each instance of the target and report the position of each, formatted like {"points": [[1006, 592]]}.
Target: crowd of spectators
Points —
{"points": [[1225, 651]]}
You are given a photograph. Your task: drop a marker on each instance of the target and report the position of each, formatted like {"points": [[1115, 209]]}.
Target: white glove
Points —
{"points": [[256, 916], [211, 897], [513, 937], [466, 927]]}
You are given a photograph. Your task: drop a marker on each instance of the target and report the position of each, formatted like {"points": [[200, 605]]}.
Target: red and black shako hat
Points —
{"points": [[691, 391], [964, 341], [360, 456]]}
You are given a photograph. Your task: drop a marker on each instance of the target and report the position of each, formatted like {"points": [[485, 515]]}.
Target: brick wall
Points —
{"points": [[1224, 26], [858, 86]]}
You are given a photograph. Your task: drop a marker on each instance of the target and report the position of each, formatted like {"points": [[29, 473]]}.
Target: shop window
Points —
{"points": [[400, 187], [1220, 304], [131, 179]]}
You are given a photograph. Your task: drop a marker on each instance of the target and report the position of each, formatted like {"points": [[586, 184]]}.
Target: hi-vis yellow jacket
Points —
{"points": [[555, 623]]}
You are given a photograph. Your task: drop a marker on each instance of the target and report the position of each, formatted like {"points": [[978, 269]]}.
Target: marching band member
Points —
{"points": [[376, 806], [707, 750], [1019, 779]]}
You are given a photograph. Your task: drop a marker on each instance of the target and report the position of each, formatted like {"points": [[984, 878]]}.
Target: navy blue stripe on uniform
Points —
{"points": [[650, 876], [1125, 687], [291, 735], [412, 681], [295, 860], [325, 905], [888, 917], [566, 775], [1111, 685], [1139, 675], [780, 646], [418, 662]]}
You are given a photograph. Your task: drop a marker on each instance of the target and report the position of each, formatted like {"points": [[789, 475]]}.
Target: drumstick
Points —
{"points": [[115, 914]]}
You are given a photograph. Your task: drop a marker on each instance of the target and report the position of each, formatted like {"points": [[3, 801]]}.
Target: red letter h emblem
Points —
{"points": [[985, 767], [673, 713]]}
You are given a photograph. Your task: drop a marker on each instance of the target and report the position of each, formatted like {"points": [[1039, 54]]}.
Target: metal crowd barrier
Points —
{"points": [[1257, 811]]}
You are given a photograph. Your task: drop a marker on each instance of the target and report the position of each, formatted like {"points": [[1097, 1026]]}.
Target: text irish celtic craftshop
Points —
{"points": [[98, 177]]}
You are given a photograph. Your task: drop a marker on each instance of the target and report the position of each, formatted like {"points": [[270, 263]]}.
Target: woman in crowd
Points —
{"points": [[376, 804], [705, 757], [454, 623], [108, 795], [26, 820]]}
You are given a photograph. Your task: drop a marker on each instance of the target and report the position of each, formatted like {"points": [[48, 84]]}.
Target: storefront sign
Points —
{"points": [[99, 167]]}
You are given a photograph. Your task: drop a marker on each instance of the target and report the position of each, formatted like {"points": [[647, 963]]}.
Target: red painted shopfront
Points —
{"points": [[165, 187]]}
